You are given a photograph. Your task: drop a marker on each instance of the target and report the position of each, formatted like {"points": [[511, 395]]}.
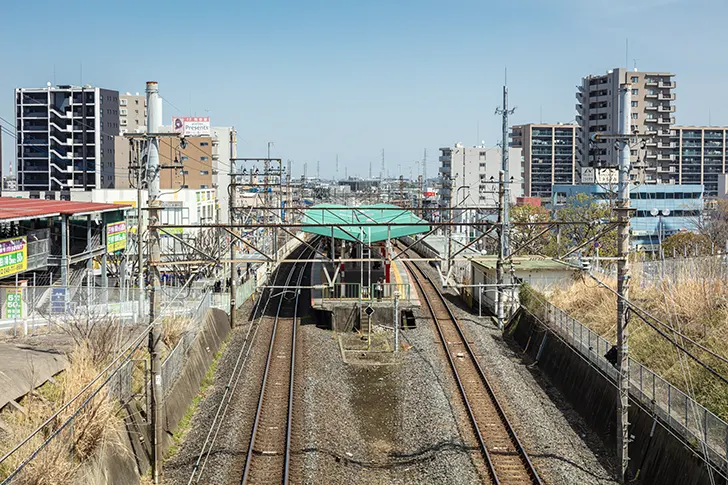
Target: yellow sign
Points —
{"points": [[13, 256], [116, 236]]}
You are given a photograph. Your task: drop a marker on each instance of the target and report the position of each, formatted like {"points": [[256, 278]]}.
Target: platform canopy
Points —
{"points": [[378, 221]]}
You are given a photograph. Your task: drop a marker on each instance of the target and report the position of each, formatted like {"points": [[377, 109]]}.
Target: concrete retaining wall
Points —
{"points": [[123, 464], [658, 457]]}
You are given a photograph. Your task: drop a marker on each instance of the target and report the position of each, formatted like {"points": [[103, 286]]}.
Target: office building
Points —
{"points": [[470, 175], [700, 156], [549, 156], [652, 113], [65, 137], [659, 210], [132, 113]]}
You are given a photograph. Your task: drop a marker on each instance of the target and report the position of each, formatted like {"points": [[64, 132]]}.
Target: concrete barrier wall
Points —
{"points": [[657, 457], [124, 462]]}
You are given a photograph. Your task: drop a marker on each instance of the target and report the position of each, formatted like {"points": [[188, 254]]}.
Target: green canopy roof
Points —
{"points": [[388, 219]]}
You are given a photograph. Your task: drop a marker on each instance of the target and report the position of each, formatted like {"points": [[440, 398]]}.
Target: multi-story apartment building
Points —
{"points": [[65, 137], [652, 113], [699, 156], [471, 175], [132, 113], [549, 156]]}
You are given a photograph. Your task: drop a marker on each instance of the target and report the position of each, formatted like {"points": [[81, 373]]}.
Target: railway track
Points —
{"points": [[268, 456], [504, 455]]}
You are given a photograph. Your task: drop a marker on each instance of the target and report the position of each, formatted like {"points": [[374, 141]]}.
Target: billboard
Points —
{"points": [[191, 125], [116, 236], [13, 256]]}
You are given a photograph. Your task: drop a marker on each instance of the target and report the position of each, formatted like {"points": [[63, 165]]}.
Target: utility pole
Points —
{"points": [[623, 278], [501, 253], [140, 244], [231, 208], [424, 168], [505, 228], [154, 121]]}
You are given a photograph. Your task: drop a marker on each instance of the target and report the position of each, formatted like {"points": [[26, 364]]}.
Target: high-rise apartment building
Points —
{"points": [[652, 113], [549, 156], [65, 137], [132, 113], [699, 156]]}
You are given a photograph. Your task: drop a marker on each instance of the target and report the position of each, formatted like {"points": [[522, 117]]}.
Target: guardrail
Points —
{"points": [[691, 420], [373, 292]]}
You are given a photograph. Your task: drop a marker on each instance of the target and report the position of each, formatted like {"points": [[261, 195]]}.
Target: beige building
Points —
{"points": [[132, 113], [652, 113], [549, 156]]}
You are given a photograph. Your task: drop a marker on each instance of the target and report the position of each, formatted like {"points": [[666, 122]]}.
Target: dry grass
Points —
{"points": [[59, 462], [698, 308], [173, 327]]}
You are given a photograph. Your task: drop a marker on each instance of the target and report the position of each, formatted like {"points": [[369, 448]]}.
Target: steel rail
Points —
{"points": [[526, 461], [266, 374]]}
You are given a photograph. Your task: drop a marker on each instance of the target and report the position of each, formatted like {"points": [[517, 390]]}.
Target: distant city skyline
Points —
{"points": [[324, 78]]}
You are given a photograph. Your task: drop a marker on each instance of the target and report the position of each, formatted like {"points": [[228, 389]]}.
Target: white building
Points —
{"points": [[132, 113], [470, 175]]}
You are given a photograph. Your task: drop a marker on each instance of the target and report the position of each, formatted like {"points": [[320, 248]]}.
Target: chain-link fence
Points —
{"points": [[651, 273], [695, 423]]}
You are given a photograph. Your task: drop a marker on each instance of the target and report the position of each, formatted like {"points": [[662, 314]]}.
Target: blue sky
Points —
{"points": [[325, 77]]}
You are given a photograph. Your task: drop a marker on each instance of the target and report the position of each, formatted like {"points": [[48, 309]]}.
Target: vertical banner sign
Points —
{"points": [[13, 256], [116, 236], [14, 305]]}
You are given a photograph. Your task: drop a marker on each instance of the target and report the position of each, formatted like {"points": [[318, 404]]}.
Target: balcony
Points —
{"points": [[667, 85], [651, 155], [651, 82], [713, 135], [651, 143], [692, 134], [666, 158], [650, 108], [666, 121], [666, 97], [651, 96], [666, 109]]}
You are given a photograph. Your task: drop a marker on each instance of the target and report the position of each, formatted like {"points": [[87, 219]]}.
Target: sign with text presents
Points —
{"points": [[13, 256], [116, 236], [14, 305], [191, 125], [58, 300]]}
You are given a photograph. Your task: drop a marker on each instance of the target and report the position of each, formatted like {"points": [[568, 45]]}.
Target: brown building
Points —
{"points": [[196, 160]]}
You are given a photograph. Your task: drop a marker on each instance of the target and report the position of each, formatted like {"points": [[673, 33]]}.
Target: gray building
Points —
{"points": [[65, 137], [652, 113], [699, 156], [471, 175], [549, 156]]}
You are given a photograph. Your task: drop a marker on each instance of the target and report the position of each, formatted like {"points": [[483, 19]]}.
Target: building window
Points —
{"points": [[204, 159], [635, 104], [203, 186], [635, 116], [204, 172], [635, 92], [635, 79], [204, 143], [185, 172]]}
